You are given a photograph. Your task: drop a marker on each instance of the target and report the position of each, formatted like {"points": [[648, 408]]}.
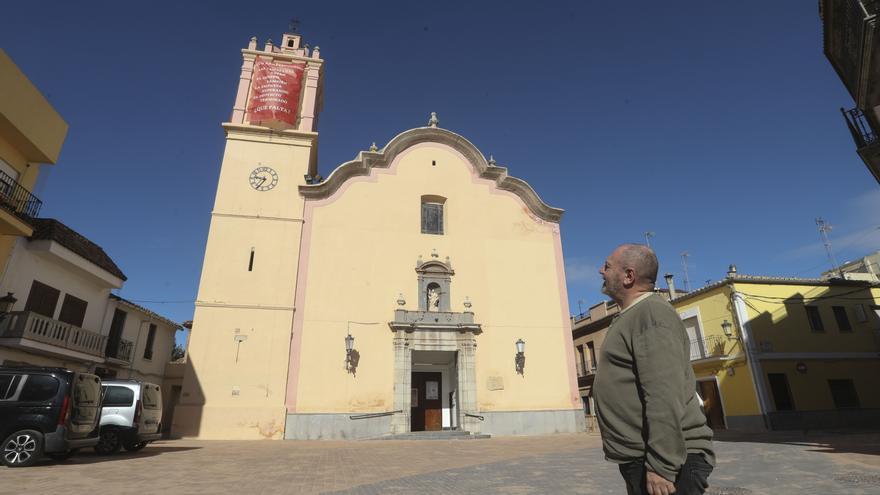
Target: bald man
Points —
{"points": [[645, 392]]}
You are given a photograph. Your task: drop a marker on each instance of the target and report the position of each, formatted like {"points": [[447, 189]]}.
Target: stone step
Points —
{"points": [[435, 435]]}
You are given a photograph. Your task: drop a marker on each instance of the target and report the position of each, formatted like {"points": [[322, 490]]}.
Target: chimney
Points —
{"points": [[670, 285], [731, 271]]}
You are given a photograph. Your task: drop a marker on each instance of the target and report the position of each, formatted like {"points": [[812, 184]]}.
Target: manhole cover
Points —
{"points": [[858, 478], [728, 490]]}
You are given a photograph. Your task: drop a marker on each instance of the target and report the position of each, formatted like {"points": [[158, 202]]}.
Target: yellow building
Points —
{"points": [[419, 287], [785, 353], [31, 134]]}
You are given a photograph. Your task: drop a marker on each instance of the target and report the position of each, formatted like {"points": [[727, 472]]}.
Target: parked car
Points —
{"points": [[130, 417], [51, 411]]}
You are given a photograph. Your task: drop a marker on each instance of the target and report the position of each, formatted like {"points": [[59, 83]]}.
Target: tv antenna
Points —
{"points": [[684, 263], [648, 236], [824, 229]]}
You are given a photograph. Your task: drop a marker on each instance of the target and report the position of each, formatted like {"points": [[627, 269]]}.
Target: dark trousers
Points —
{"points": [[693, 479]]}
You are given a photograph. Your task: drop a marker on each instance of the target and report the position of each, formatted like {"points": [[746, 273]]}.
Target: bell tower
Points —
{"points": [[235, 376]]}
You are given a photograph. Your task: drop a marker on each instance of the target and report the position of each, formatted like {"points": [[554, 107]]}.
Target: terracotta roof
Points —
{"points": [[53, 230], [146, 311]]}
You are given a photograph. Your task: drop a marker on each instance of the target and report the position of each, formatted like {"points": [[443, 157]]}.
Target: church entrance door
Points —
{"points": [[426, 403]]}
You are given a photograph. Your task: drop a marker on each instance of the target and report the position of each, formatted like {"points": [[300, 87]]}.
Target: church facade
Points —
{"points": [[418, 287]]}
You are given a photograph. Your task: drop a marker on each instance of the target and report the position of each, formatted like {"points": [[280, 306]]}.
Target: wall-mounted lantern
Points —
{"points": [[349, 348], [520, 356], [7, 302], [801, 367], [727, 327]]}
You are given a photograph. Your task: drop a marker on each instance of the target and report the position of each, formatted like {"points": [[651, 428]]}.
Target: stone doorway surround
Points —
{"points": [[435, 331]]}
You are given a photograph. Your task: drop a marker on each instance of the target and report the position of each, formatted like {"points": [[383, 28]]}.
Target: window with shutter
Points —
{"points": [[432, 214], [42, 299]]}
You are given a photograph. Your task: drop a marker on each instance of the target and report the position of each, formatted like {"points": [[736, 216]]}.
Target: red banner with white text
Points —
{"points": [[275, 92]]}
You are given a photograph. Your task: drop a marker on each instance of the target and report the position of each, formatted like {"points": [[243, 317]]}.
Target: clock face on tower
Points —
{"points": [[263, 178]]}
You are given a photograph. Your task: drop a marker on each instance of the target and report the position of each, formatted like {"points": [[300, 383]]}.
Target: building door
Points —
{"points": [[781, 392], [426, 403], [168, 412], [712, 404]]}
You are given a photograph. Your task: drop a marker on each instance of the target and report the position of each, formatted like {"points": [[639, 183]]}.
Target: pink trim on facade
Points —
{"points": [[302, 273], [566, 319], [302, 277]]}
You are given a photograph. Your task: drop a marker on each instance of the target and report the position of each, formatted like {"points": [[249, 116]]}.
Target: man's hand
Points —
{"points": [[658, 485]]}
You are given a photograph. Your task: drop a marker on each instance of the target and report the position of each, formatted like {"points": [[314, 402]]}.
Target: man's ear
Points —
{"points": [[629, 277]]}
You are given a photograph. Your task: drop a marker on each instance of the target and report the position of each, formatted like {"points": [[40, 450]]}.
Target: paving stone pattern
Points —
{"points": [[826, 463]]}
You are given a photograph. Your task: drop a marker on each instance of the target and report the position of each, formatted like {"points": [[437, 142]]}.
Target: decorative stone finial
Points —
{"points": [[434, 121], [467, 303], [491, 161], [400, 300], [373, 147], [419, 261], [434, 253]]}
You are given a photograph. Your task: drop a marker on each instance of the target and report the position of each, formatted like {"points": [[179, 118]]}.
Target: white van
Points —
{"points": [[131, 415]]}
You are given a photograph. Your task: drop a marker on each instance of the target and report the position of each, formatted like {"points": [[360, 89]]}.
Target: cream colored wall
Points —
{"points": [[363, 248], [136, 329], [217, 365], [256, 304]]}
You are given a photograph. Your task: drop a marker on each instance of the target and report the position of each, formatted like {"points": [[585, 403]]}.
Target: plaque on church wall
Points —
{"points": [[495, 383], [432, 390], [414, 397], [275, 90]]}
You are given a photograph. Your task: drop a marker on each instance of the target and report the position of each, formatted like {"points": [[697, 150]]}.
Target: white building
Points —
{"points": [[65, 314]]}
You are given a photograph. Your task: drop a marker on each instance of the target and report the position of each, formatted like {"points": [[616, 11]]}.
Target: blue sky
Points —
{"points": [[716, 127]]}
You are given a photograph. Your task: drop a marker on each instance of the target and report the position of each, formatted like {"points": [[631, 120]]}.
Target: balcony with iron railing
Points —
{"points": [[18, 201], [122, 352], [713, 346], [863, 129], [37, 333]]}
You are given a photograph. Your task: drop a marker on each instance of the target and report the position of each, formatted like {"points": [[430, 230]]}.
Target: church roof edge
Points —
{"points": [[367, 160]]}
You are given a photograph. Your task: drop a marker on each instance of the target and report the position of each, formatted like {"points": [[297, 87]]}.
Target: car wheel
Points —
{"points": [[23, 448], [134, 447], [109, 442], [61, 456]]}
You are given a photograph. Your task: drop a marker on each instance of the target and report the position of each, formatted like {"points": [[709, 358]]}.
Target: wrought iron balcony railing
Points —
{"points": [[709, 347], [862, 131], [18, 200], [122, 352]]}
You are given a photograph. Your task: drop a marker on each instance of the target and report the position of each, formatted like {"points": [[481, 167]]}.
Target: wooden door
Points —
{"points": [[712, 404], [427, 405]]}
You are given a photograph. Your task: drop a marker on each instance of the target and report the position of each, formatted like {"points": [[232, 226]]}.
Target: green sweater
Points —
{"points": [[645, 390]]}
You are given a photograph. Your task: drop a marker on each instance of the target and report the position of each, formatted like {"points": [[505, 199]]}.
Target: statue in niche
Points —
{"points": [[433, 298]]}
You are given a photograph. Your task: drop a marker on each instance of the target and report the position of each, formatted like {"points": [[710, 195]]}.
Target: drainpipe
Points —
{"points": [[741, 320], [670, 284]]}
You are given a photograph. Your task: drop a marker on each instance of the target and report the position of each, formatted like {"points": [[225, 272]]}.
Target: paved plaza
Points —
{"points": [[775, 463]]}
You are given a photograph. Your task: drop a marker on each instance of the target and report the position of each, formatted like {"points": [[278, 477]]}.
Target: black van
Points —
{"points": [[46, 410]]}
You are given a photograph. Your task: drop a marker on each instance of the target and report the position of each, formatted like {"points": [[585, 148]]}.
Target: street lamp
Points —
{"points": [[520, 356], [727, 327], [6, 304], [349, 346]]}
